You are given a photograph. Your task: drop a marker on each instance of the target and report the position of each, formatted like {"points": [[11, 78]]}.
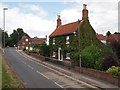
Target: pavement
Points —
{"points": [[40, 74]]}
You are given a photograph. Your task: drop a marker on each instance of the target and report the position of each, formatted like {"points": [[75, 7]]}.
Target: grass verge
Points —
{"points": [[9, 78]]}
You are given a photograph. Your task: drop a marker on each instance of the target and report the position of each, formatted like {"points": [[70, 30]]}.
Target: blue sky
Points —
{"points": [[39, 18], [53, 8]]}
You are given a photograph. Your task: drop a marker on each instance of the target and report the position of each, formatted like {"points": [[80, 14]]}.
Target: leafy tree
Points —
{"points": [[117, 33], [109, 61], [44, 49], [2, 33], [108, 33], [116, 48], [16, 36]]}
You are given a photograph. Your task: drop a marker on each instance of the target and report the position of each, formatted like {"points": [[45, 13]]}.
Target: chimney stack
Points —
{"points": [[84, 12], [46, 37], [58, 21]]}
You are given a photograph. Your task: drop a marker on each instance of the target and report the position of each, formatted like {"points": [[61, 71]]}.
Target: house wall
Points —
{"points": [[60, 42], [27, 43], [87, 37]]}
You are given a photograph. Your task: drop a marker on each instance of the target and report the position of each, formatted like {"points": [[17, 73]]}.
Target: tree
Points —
{"points": [[2, 33], [16, 36], [44, 49], [117, 33], [108, 33]]}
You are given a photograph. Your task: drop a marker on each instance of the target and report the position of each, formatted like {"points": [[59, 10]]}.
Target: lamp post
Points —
{"points": [[79, 44], [4, 23]]}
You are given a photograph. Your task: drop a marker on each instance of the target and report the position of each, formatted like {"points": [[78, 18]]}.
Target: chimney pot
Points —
{"points": [[58, 16], [84, 6]]}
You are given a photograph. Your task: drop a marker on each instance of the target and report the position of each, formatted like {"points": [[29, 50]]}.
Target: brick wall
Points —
{"points": [[100, 75], [35, 55]]}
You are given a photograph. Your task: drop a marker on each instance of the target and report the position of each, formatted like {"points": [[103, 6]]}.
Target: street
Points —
{"points": [[36, 75]]}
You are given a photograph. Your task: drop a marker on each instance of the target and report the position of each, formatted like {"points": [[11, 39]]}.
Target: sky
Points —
{"points": [[38, 17]]}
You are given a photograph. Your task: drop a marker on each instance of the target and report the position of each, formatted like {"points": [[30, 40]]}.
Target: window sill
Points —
{"points": [[68, 58]]}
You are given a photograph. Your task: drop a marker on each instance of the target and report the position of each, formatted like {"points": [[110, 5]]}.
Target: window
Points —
{"points": [[53, 54], [26, 48], [67, 40], [26, 40], [31, 48], [29, 42], [23, 43], [67, 55], [53, 41]]}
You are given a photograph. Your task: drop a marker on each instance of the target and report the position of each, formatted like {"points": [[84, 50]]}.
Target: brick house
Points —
{"points": [[28, 43], [102, 38], [25, 42], [63, 36], [113, 38], [37, 40]]}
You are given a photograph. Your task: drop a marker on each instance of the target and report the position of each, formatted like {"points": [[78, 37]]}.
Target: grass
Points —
{"points": [[9, 78], [6, 80]]}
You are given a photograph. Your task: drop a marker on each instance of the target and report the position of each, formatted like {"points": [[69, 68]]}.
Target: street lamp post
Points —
{"points": [[79, 44], [4, 23]]}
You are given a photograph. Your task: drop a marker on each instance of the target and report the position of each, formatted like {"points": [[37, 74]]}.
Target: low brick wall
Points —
{"points": [[35, 55], [100, 75]]}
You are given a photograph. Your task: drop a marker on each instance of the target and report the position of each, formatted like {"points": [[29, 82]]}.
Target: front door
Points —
{"points": [[60, 56]]}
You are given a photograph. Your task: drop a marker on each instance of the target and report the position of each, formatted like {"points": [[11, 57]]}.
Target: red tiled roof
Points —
{"points": [[65, 29], [101, 36], [38, 42], [115, 37]]}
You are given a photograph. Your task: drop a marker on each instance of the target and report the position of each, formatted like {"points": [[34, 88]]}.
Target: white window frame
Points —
{"points": [[26, 40], [31, 48], [53, 41], [67, 55], [67, 40], [54, 54], [26, 48]]}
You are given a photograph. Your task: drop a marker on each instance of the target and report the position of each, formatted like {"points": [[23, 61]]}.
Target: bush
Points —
{"points": [[91, 57], [77, 62], [114, 70], [109, 61], [44, 50], [24, 49]]}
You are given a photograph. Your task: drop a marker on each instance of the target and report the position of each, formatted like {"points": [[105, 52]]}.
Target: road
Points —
{"points": [[36, 75]]}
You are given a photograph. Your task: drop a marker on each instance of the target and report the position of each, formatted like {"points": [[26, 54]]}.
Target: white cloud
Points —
{"points": [[103, 16], [35, 9], [32, 24]]}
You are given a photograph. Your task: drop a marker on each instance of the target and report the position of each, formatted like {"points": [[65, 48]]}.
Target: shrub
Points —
{"points": [[109, 61], [44, 50], [24, 49], [114, 70], [91, 57], [77, 62]]}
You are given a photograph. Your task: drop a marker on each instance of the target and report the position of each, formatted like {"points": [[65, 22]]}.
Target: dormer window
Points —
{"points": [[53, 41], [67, 40]]}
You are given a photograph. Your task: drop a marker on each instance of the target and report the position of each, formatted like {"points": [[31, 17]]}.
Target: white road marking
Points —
{"points": [[58, 84], [30, 66], [42, 74]]}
